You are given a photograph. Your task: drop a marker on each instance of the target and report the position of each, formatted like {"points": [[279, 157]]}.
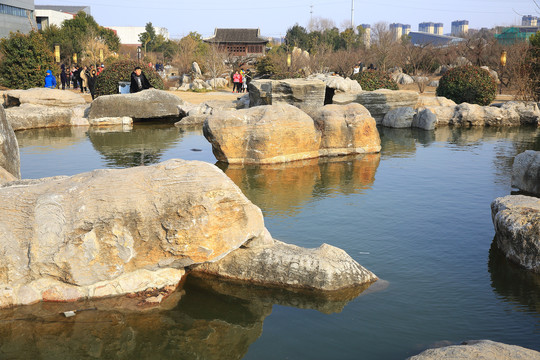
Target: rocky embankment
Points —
{"points": [[480, 350]]}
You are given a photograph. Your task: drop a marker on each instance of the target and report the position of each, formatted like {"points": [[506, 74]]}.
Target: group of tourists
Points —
{"points": [[83, 78], [241, 80]]}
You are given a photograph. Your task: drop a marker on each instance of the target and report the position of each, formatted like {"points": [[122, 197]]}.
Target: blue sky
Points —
{"points": [[276, 16]]}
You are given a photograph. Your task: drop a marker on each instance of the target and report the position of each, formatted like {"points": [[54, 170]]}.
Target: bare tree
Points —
{"points": [[215, 63], [321, 24], [383, 47]]}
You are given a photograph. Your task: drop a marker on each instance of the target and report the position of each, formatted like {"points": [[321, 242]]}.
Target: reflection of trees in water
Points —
{"points": [[284, 188], [143, 145], [54, 138], [207, 319], [514, 284]]}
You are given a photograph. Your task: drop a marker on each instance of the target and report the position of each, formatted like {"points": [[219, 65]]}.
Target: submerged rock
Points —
{"points": [[274, 263], [478, 349], [9, 150], [109, 232], [517, 229], [146, 104], [526, 172]]}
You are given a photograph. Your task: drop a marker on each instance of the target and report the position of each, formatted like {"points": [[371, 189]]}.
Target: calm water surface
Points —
{"points": [[417, 215]]}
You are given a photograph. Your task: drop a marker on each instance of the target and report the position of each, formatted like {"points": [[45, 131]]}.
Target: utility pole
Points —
{"points": [[311, 16], [352, 14]]}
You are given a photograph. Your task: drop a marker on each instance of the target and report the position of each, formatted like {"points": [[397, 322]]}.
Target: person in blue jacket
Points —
{"points": [[50, 80]]}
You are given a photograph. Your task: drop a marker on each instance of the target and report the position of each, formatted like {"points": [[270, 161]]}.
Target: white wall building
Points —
{"points": [[129, 35], [47, 15], [16, 16]]}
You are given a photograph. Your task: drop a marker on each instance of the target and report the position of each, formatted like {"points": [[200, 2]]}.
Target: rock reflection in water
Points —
{"points": [[206, 319], [512, 283], [284, 188], [142, 145]]}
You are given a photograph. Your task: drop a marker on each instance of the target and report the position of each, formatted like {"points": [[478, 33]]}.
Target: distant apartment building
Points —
{"points": [[427, 27], [47, 15], [398, 30], [367, 35], [529, 20], [438, 29], [460, 27], [16, 16]]}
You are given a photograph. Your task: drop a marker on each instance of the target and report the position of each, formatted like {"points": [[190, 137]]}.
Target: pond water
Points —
{"points": [[417, 215]]}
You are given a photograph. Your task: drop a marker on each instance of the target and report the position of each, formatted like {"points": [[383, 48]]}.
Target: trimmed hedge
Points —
{"points": [[107, 81], [375, 79], [469, 84]]}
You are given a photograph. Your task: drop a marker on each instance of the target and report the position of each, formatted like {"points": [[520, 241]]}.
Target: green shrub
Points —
{"points": [[107, 81], [25, 60], [375, 79], [469, 84]]}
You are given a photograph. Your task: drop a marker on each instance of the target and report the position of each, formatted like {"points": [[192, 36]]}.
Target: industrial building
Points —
{"points": [[424, 38], [460, 27], [16, 15], [129, 35]]}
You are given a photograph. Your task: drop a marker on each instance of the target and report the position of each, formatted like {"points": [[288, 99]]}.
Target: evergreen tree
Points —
{"points": [[25, 60]]}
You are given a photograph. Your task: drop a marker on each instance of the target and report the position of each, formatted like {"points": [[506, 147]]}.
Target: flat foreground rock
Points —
{"points": [[479, 350], [526, 172], [42, 96], [108, 232], [146, 104], [517, 229]]}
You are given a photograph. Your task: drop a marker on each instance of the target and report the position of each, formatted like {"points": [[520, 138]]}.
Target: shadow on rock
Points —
{"points": [[514, 284], [284, 188]]}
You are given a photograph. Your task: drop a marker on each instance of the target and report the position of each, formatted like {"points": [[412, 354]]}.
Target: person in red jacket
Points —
{"points": [[237, 80]]}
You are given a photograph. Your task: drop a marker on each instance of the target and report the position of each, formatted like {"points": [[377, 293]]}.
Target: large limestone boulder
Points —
{"points": [[401, 117], [31, 116], [380, 102], [146, 104], [403, 79], [526, 172], [302, 93], [346, 129], [479, 350], [277, 264], [444, 115], [262, 135], [42, 96], [517, 229], [110, 232], [218, 82], [10, 163]]}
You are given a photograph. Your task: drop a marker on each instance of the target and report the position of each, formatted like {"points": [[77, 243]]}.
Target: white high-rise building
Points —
{"points": [[460, 27]]}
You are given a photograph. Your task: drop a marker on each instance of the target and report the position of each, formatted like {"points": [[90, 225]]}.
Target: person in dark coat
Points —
{"points": [[64, 77], [92, 83], [139, 82]]}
